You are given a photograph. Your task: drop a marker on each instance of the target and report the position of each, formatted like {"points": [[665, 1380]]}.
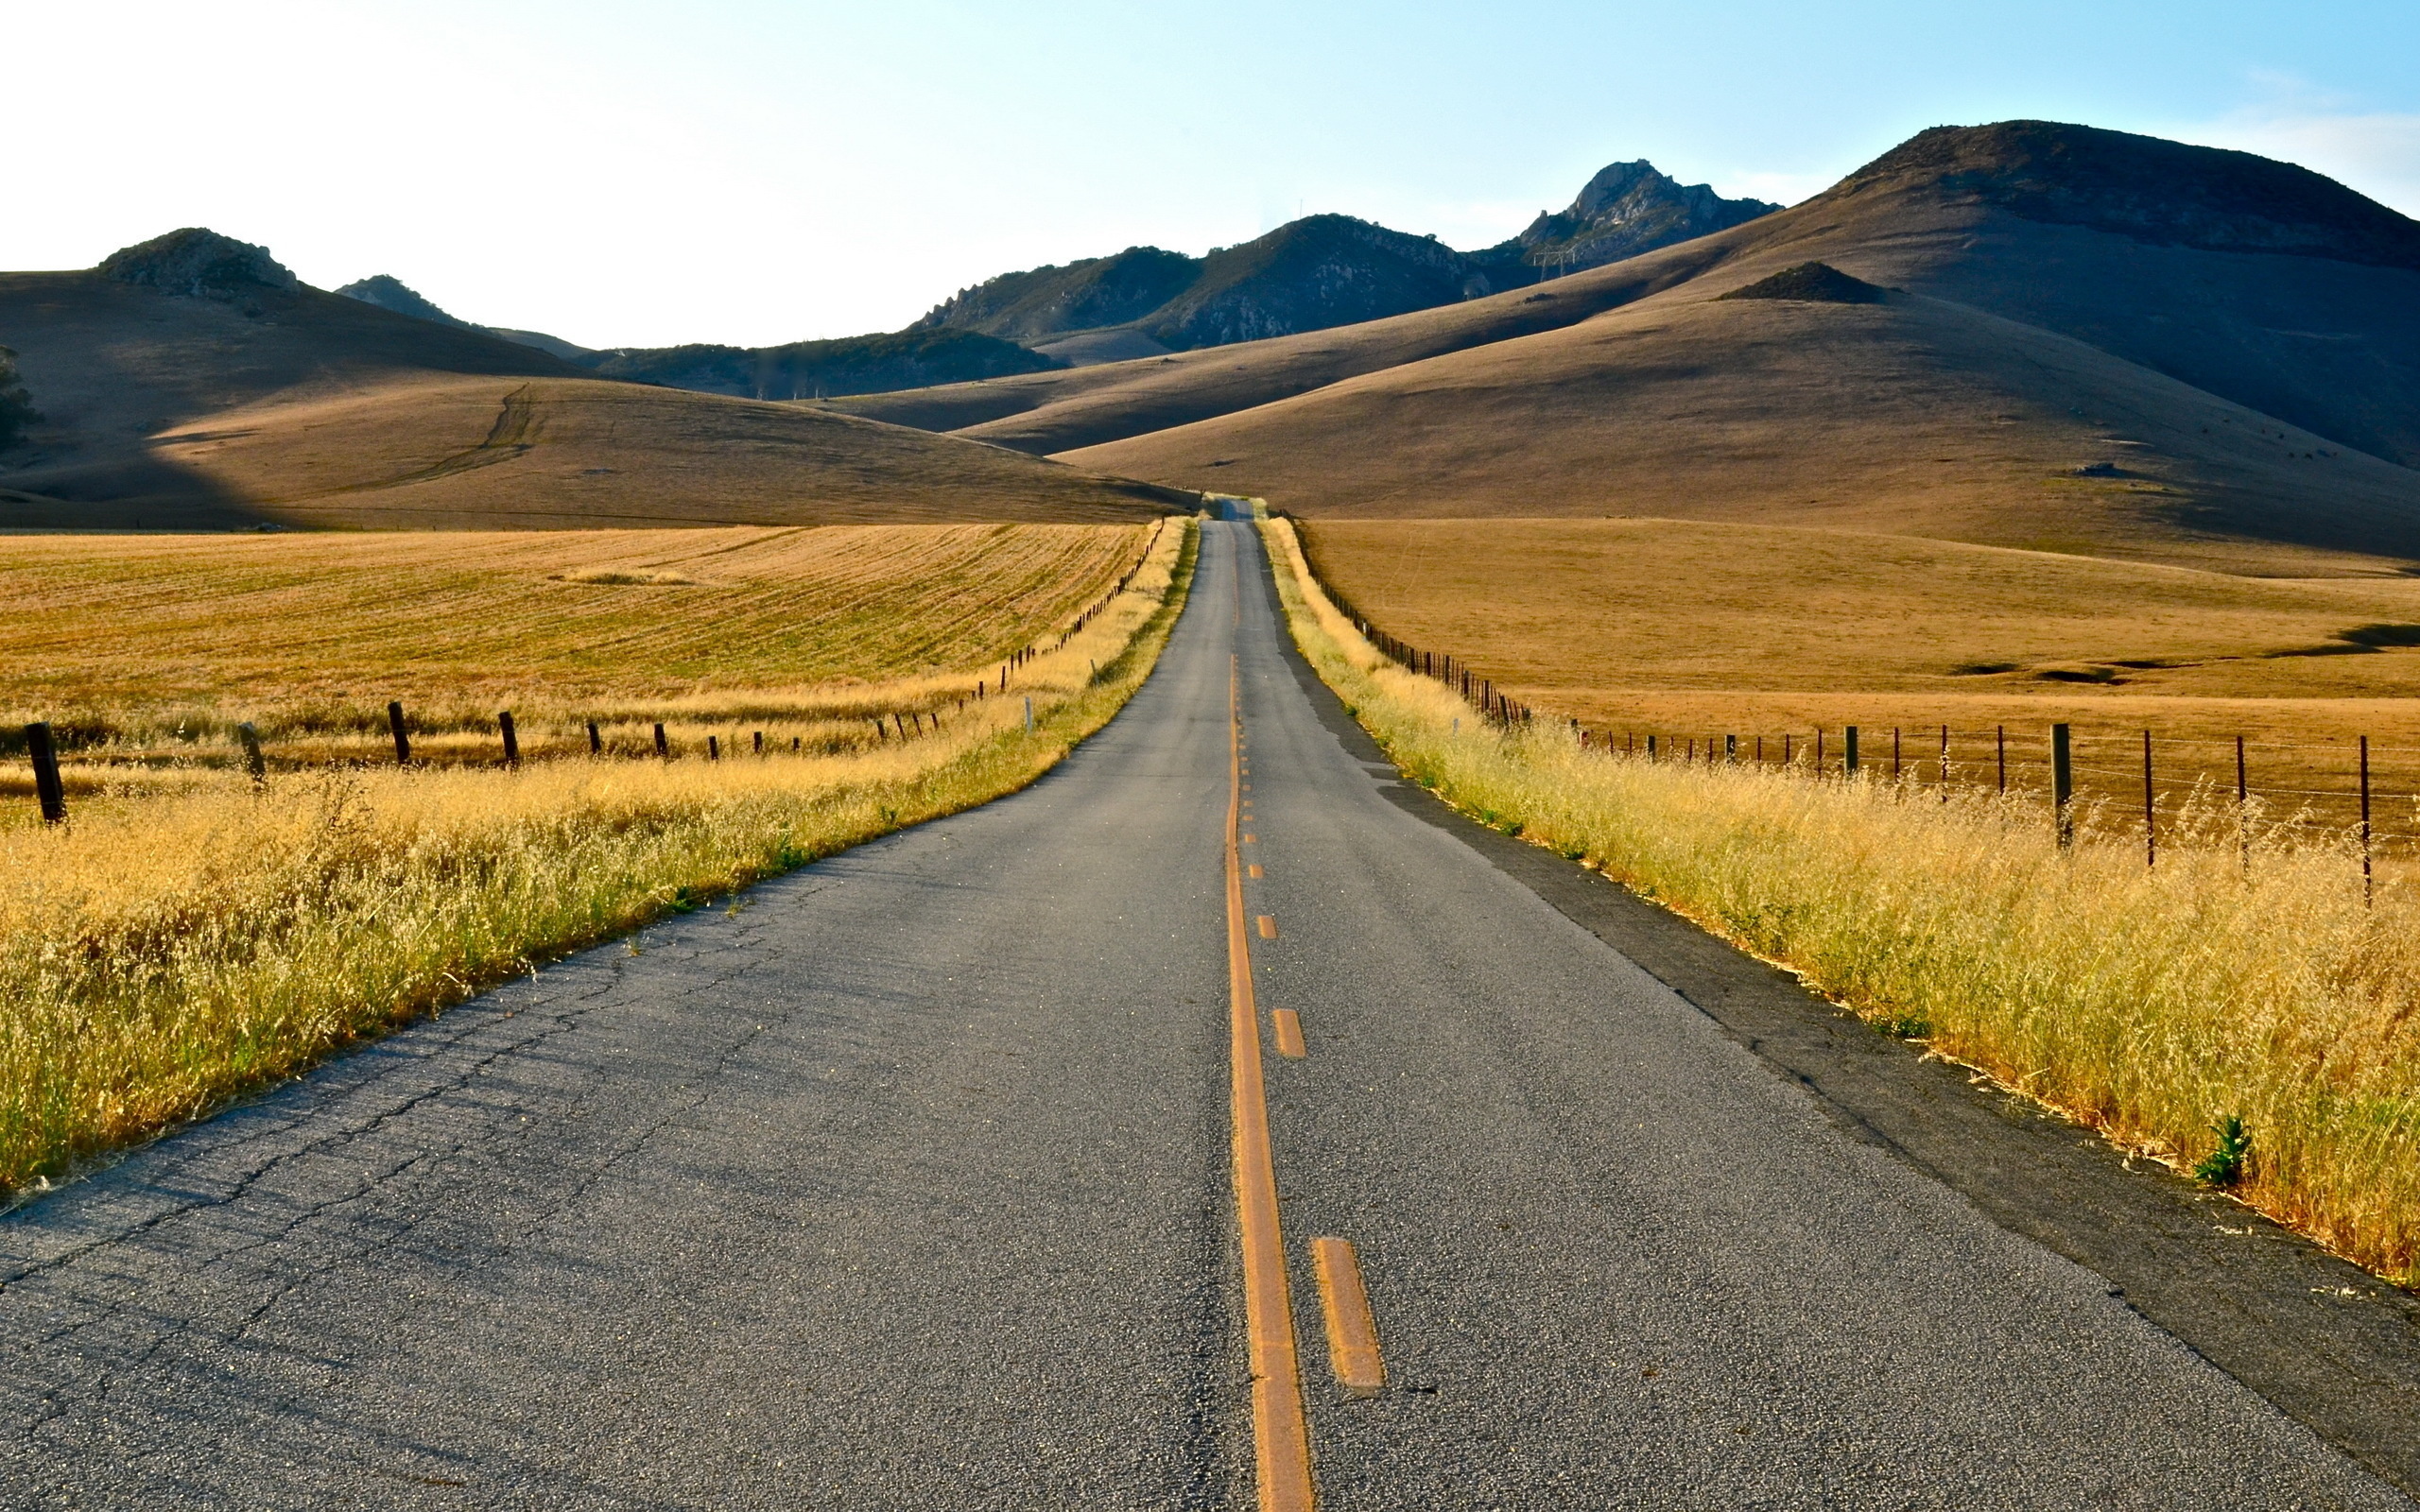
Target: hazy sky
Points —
{"points": [[753, 172]]}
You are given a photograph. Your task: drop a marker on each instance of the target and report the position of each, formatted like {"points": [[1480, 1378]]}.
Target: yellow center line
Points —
{"points": [[1267, 927], [1252, 871], [1281, 1438], [1352, 1334]]}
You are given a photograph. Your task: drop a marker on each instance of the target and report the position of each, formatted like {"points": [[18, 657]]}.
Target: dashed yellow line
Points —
{"points": [[1288, 1027], [1352, 1333]]}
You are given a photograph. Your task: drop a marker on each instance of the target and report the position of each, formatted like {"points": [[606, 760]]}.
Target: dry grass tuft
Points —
{"points": [[2153, 1005], [164, 953]]}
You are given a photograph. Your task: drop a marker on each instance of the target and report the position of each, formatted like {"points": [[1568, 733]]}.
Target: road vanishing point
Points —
{"points": [[1219, 1123]]}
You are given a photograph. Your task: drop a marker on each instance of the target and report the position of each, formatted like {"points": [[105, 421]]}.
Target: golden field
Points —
{"points": [[146, 650], [169, 949], [2149, 1003], [1690, 630]]}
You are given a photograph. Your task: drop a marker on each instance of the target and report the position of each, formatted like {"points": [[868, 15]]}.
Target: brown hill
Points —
{"points": [[193, 383], [2221, 360]]}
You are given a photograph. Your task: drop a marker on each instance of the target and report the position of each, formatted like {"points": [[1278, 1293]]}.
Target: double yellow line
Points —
{"points": [[1281, 1438]]}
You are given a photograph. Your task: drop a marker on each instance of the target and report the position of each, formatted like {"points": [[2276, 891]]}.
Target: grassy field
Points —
{"points": [[2152, 1004], [146, 651], [1692, 630], [166, 951]]}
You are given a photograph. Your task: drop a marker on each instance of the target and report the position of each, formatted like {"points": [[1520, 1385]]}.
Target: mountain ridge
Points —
{"points": [[1326, 270]]}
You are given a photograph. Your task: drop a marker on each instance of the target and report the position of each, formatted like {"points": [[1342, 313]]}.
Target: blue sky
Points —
{"points": [[753, 172]]}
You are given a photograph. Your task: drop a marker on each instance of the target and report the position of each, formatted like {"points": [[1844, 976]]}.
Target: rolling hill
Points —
{"points": [[2083, 340], [194, 383]]}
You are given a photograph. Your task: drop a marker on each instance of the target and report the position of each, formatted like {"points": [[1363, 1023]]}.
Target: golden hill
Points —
{"points": [[192, 383], [2092, 342]]}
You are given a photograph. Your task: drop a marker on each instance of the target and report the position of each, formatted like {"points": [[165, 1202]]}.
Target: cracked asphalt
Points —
{"points": [[903, 1183]]}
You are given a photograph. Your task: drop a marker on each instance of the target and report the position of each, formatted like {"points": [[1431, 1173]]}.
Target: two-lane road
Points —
{"points": [[911, 1182]]}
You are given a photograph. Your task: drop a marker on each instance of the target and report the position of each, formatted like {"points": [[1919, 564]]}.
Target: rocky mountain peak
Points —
{"points": [[198, 263], [1627, 209]]}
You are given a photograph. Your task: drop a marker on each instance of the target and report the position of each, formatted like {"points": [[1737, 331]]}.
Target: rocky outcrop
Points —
{"points": [[199, 264], [1627, 209]]}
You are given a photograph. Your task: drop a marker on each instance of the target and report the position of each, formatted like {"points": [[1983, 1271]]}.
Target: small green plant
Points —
{"points": [[2224, 1166]]}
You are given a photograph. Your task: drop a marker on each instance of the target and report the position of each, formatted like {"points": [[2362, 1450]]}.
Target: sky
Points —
{"points": [[753, 172]]}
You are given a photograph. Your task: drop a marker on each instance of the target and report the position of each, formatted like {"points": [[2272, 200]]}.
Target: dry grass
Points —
{"points": [[164, 953], [1690, 629], [153, 648], [2148, 1005]]}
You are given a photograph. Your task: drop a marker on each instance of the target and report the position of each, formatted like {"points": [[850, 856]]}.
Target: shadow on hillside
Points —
{"points": [[141, 490]]}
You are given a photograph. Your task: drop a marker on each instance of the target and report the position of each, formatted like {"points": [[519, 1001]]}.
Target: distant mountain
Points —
{"points": [[801, 369], [391, 293], [1306, 275], [817, 370], [193, 383], [1323, 272], [1629, 208], [2026, 333]]}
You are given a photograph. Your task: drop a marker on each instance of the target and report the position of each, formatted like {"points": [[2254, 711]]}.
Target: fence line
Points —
{"points": [[1935, 760], [50, 790]]}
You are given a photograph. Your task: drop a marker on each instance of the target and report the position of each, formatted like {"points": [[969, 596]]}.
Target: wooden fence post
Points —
{"points": [[403, 738], [662, 747], [596, 740], [253, 762], [2242, 808], [2368, 885], [512, 738], [713, 749], [48, 791], [1895, 753], [2151, 808], [2063, 786], [1730, 747], [1945, 763], [1650, 747], [760, 743], [1848, 756], [1999, 741]]}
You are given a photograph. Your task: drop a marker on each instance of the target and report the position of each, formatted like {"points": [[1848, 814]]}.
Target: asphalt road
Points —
{"points": [[906, 1183]]}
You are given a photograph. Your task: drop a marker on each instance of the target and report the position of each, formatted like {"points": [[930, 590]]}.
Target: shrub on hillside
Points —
{"points": [[16, 406]]}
